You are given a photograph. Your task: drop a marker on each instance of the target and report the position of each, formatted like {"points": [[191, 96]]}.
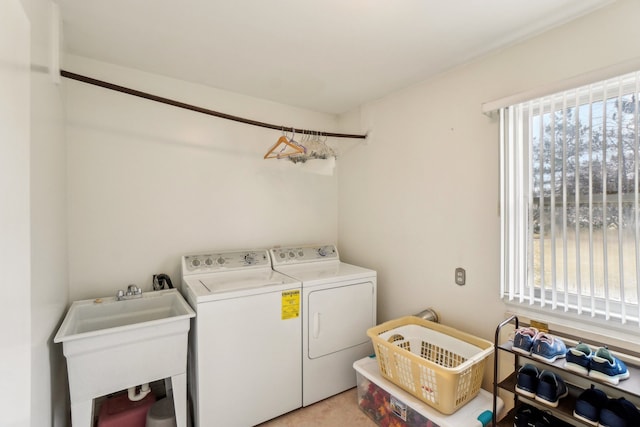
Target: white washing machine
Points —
{"points": [[338, 306], [244, 358]]}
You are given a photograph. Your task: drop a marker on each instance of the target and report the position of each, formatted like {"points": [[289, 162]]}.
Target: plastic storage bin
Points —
{"points": [[439, 365], [390, 406]]}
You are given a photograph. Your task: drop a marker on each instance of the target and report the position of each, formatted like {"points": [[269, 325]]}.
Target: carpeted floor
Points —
{"points": [[339, 410]]}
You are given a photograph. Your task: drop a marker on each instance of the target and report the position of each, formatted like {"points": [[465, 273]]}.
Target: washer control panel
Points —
{"points": [[301, 254], [220, 261]]}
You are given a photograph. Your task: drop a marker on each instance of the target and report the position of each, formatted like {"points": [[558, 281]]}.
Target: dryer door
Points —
{"points": [[339, 318]]}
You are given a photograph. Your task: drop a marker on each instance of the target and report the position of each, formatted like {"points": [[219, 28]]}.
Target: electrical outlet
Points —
{"points": [[461, 276]]}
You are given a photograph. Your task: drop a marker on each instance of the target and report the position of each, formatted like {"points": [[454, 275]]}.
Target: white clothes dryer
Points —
{"points": [[244, 358], [338, 306]]}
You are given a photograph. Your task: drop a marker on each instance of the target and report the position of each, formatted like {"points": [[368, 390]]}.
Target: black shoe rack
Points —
{"points": [[629, 388]]}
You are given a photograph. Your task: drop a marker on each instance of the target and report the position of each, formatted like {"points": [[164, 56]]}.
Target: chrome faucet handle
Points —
{"points": [[132, 292]]}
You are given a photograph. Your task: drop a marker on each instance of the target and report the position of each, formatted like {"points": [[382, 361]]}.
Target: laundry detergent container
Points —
{"points": [[441, 366]]}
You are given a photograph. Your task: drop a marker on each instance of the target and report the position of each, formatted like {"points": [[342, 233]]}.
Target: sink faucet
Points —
{"points": [[132, 292]]}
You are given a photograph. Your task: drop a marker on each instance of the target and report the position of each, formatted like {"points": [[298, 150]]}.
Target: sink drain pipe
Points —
{"points": [[135, 396]]}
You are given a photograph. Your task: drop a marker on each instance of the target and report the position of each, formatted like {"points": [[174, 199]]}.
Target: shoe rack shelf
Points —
{"points": [[629, 388]]}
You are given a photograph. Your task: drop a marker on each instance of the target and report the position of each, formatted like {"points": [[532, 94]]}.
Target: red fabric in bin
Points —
{"points": [[119, 411]]}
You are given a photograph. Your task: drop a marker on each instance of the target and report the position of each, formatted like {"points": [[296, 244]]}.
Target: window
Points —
{"points": [[570, 201]]}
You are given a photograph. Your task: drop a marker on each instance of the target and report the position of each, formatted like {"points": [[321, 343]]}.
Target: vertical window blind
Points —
{"points": [[569, 200]]}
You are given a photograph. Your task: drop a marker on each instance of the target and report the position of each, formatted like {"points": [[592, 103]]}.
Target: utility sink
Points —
{"points": [[108, 316], [113, 345]]}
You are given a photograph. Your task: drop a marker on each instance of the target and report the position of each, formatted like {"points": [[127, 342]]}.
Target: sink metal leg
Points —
{"points": [[179, 388], [82, 413]]}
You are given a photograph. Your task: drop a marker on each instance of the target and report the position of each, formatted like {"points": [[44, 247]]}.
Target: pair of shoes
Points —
{"points": [[619, 413], [540, 345], [600, 364], [593, 407], [589, 405], [529, 416], [546, 387]]}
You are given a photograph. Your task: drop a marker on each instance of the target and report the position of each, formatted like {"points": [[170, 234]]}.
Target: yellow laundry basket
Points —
{"points": [[439, 365]]}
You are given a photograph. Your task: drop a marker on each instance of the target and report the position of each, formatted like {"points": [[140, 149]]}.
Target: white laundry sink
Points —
{"points": [[113, 345], [108, 316]]}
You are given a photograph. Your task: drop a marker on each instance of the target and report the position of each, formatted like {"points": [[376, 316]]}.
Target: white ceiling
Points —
{"points": [[324, 55]]}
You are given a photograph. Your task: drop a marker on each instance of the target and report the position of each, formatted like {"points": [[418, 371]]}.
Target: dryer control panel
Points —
{"points": [[223, 261], [302, 254]]}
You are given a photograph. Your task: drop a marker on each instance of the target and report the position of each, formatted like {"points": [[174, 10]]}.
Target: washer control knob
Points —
{"points": [[283, 255], [208, 262], [250, 259], [195, 262], [220, 260], [292, 254], [322, 252]]}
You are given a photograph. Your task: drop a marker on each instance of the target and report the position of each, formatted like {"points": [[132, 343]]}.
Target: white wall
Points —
{"points": [[49, 288], [14, 215], [150, 182], [422, 198]]}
